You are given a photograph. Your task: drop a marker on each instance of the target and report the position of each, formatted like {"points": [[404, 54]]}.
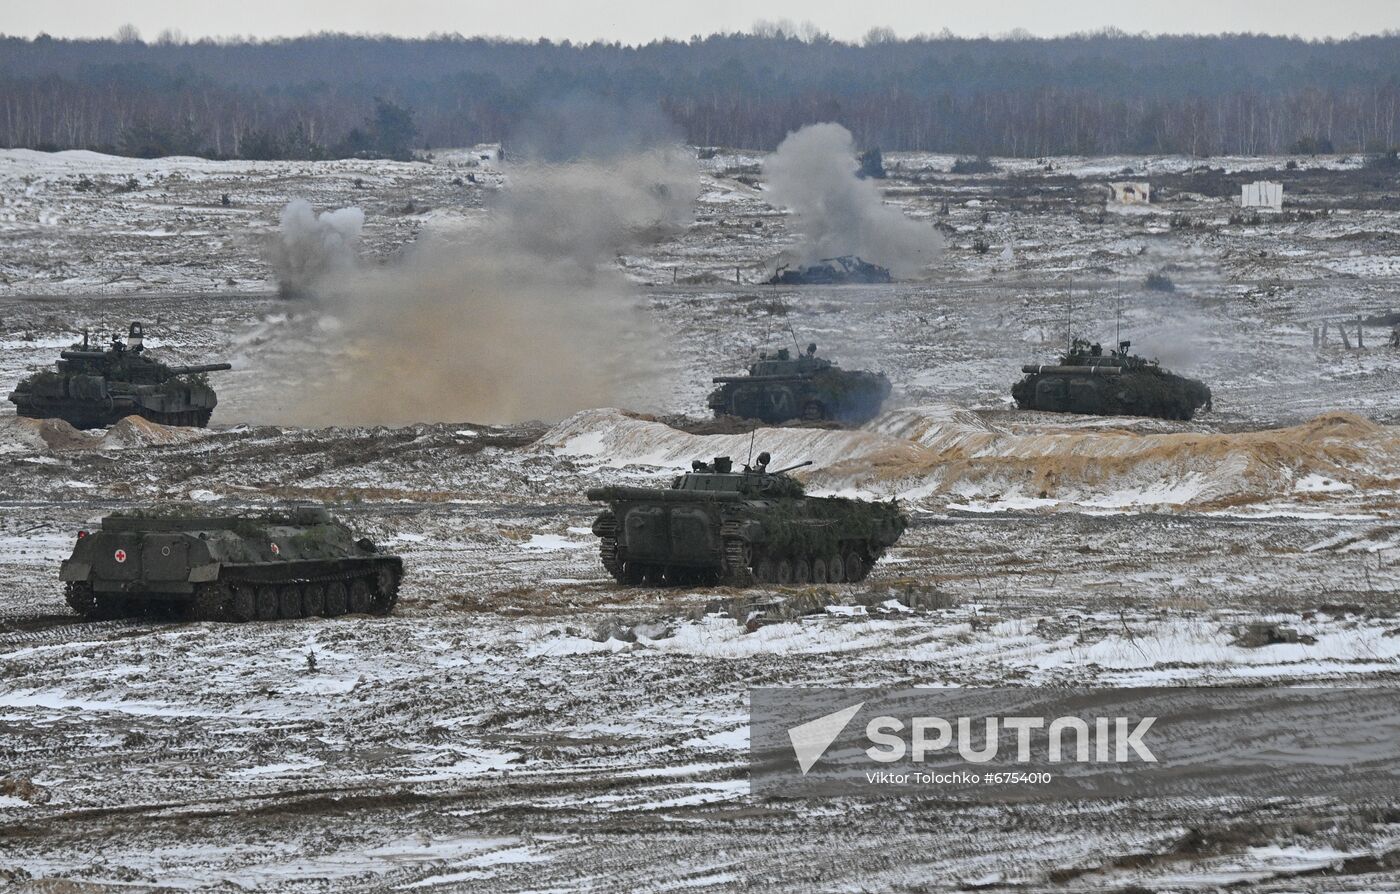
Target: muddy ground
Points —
{"points": [[521, 723]]}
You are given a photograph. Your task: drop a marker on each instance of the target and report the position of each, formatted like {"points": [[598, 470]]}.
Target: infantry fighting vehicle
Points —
{"points": [[718, 526], [286, 564], [832, 272], [94, 388], [1115, 384], [782, 387]]}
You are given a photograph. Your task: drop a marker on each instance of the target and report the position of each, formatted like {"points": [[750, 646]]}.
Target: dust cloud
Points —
{"points": [[813, 175], [310, 249], [522, 315]]}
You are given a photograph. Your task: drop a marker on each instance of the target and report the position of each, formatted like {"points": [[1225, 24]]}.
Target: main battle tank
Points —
{"points": [[93, 388], [1117, 384], [781, 387], [287, 564], [718, 526]]}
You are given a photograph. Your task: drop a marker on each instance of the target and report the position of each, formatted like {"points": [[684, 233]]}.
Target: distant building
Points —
{"points": [[1134, 192], [1262, 194]]}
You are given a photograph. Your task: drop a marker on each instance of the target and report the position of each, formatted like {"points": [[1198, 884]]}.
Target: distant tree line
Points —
{"points": [[340, 95]]}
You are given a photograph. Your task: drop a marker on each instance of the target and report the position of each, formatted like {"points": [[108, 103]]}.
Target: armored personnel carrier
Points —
{"points": [[718, 526], [782, 387], [1115, 384], [288, 564], [831, 272], [94, 388]]}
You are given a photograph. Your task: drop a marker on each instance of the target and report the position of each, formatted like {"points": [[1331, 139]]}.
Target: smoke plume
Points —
{"points": [[813, 175], [522, 315], [311, 249]]}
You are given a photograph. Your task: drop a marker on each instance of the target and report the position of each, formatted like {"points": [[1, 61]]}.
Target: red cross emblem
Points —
{"points": [[120, 556], [275, 550]]}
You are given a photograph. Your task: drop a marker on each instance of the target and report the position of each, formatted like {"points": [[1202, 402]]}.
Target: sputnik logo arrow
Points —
{"points": [[810, 740]]}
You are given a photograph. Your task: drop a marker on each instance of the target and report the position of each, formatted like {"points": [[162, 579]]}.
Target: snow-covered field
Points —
{"points": [[522, 723]]}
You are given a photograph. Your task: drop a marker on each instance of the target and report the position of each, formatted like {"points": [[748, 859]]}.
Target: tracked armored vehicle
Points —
{"points": [[718, 526], [1115, 384], [782, 387], [840, 271], [94, 388], [291, 564]]}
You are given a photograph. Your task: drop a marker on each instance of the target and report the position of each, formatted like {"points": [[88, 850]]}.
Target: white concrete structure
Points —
{"points": [[1134, 192], [1262, 194]]}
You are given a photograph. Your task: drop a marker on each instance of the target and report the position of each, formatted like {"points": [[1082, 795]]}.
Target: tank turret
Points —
{"points": [[716, 525], [780, 387], [1119, 383], [93, 388]]}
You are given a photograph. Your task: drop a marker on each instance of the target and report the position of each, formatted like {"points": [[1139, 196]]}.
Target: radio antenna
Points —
{"points": [[748, 463]]}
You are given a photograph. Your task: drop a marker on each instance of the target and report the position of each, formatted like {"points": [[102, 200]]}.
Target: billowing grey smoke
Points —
{"points": [[813, 175], [523, 315], [311, 249]]}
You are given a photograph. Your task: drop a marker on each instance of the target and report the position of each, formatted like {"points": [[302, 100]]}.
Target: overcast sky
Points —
{"points": [[637, 21]]}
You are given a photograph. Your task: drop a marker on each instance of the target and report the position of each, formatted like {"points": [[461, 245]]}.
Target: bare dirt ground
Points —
{"points": [[521, 723]]}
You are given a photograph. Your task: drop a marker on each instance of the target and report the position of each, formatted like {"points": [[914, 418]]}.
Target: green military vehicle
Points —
{"points": [[718, 526], [1115, 384], [275, 565], [781, 387], [94, 388]]}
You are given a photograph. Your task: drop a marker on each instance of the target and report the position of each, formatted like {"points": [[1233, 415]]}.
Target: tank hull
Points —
{"points": [[228, 569], [664, 538], [1097, 392], [850, 397]]}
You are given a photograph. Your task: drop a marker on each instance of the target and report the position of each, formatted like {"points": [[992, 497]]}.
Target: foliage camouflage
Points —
{"points": [[1115, 384], [718, 526], [93, 388], [280, 564], [780, 387]]}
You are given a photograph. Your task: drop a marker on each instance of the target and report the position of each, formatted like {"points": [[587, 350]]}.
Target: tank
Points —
{"points": [[94, 388], [1115, 384], [832, 272], [283, 564], [714, 525], [781, 387]]}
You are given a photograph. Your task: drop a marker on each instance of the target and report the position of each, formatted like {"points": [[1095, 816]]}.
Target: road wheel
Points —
{"points": [[337, 599], [210, 603], [654, 576], [313, 600], [269, 602], [289, 602], [819, 570], [633, 573], [766, 573], [855, 566], [836, 569], [386, 590], [245, 602], [783, 572], [813, 411], [801, 571], [78, 595], [361, 596]]}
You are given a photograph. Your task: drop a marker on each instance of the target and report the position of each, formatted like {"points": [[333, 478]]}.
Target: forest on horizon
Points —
{"points": [[338, 95]]}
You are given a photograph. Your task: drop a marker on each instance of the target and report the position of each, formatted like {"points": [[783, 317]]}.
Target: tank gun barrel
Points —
{"points": [[623, 493], [200, 368], [1098, 370], [724, 380], [82, 355], [790, 468]]}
